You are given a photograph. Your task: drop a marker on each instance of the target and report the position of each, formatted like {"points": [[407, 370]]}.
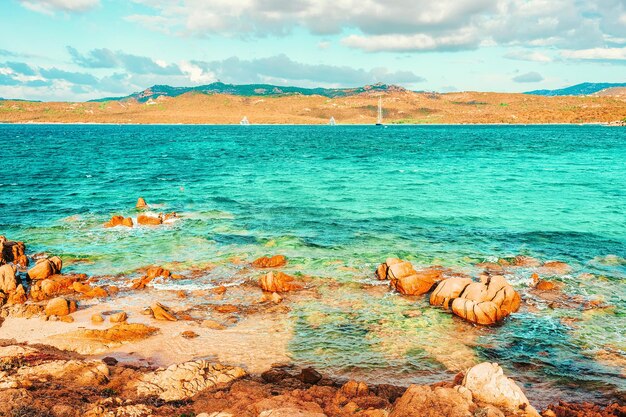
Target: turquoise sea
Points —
{"points": [[339, 200]]}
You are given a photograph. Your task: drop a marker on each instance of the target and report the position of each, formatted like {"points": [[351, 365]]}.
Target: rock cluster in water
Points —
{"points": [[143, 219], [485, 302], [199, 386]]}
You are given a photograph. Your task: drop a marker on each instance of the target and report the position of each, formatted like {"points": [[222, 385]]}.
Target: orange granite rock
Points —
{"points": [[275, 261], [278, 282]]}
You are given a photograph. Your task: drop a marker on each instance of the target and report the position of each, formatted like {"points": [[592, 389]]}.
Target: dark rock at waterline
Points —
{"points": [[275, 375], [109, 360], [310, 376]]}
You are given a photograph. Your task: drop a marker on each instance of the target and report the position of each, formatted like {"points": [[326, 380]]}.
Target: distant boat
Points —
{"points": [[379, 120], [332, 122], [244, 121]]}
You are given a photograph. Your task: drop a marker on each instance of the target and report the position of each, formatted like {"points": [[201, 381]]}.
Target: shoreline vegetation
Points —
{"points": [[399, 108], [98, 346]]}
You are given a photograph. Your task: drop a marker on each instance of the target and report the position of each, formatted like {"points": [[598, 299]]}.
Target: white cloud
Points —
{"points": [[418, 42], [51, 6], [196, 74], [283, 70], [524, 55], [598, 54], [529, 77], [324, 45], [400, 25]]}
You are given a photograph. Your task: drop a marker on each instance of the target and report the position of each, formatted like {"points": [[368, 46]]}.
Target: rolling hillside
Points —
{"points": [[400, 107]]}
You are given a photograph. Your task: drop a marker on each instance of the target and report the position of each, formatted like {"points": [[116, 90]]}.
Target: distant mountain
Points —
{"points": [[583, 89], [19, 99], [251, 90]]}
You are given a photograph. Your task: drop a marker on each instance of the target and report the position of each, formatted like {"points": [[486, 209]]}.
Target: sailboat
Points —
{"points": [[379, 120], [244, 121], [332, 122]]}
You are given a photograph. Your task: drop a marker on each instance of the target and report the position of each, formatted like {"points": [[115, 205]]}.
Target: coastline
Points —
{"points": [[397, 108], [604, 124], [249, 327]]}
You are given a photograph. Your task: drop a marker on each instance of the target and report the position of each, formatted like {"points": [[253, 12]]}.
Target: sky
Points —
{"points": [[79, 50]]}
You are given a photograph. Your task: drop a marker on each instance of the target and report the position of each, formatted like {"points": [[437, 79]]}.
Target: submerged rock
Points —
{"points": [[526, 261], [275, 261], [182, 381], [554, 268], [543, 285], [278, 282]]}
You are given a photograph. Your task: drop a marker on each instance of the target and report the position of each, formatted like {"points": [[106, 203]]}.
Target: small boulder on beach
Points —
{"points": [[60, 307], [8, 280], [161, 312], [118, 317], [97, 319]]}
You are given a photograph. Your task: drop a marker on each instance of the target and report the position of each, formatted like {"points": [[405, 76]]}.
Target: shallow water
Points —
{"points": [[337, 201]]}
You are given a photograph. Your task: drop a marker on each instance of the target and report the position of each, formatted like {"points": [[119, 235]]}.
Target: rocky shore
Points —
{"points": [[74, 345], [38, 380]]}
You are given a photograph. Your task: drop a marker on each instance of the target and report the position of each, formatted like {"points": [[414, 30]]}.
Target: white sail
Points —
{"points": [[332, 121], [244, 121], [379, 120]]}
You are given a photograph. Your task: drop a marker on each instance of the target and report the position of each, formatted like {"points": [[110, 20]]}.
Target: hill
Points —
{"points": [[249, 90], [399, 107], [584, 89]]}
